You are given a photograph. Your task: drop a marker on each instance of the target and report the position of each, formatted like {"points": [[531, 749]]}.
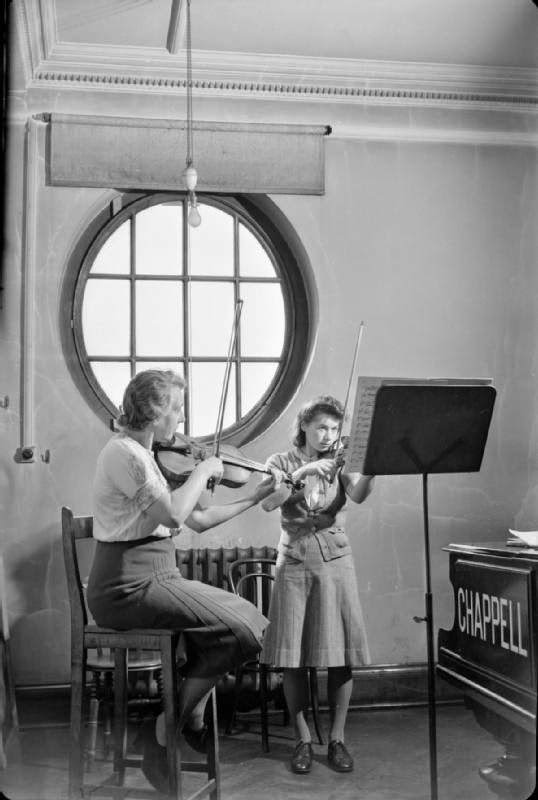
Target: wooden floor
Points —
{"points": [[390, 749]]}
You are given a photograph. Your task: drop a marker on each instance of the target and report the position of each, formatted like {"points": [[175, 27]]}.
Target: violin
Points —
{"points": [[178, 457], [338, 451]]}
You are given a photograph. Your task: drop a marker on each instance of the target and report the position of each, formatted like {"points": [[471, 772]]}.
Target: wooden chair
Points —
{"points": [[85, 636], [144, 689], [9, 721], [252, 579]]}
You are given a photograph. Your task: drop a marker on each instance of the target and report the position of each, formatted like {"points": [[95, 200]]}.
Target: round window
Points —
{"points": [[154, 293]]}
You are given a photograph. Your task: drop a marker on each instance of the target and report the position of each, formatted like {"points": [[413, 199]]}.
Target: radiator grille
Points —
{"points": [[210, 564]]}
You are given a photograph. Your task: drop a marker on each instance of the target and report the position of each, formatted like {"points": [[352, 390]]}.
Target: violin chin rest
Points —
{"points": [[276, 499]]}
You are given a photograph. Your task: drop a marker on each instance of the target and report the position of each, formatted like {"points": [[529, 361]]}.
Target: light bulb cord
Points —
{"points": [[190, 138]]}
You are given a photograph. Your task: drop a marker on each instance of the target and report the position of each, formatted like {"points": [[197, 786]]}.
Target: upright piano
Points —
{"points": [[491, 653]]}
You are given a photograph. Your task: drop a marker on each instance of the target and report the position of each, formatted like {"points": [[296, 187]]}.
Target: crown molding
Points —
{"points": [[298, 77], [49, 27], [29, 33]]}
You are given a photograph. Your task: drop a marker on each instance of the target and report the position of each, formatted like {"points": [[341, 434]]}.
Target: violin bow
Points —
{"points": [[350, 381], [226, 381]]}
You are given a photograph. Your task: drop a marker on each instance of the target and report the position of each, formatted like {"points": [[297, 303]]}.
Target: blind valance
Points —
{"points": [[149, 154]]}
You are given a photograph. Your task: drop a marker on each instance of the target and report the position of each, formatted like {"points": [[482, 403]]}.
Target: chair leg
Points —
{"points": [[314, 701], [237, 690], [76, 764], [263, 708], [213, 761], [108, 704], [120, 713], [93, 723], [169, 679]]}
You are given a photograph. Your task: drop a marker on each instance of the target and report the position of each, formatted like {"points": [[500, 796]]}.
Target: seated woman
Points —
{"points": [[315, 615], [134, 580]]}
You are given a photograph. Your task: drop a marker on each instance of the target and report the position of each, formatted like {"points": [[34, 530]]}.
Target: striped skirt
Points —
{"points": [[315, 618], [137, 584]]}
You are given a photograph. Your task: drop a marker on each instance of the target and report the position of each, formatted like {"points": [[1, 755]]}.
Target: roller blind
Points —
{"points": [[146, 154]]}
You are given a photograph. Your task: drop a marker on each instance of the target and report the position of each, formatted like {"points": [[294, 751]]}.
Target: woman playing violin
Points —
{"points": [[315, 615], [134, 581]]}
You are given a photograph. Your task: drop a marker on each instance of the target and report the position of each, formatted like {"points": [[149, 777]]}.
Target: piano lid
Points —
{"points": [[510, 548]]}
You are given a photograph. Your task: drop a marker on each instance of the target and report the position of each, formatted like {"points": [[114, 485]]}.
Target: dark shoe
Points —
{"points": [[301, 760], [338, 756], [154, 763], [198, 740]]}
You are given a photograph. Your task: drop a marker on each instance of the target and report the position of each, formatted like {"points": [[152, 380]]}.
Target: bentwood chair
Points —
{"points": [[253, 579], [86, 636]]}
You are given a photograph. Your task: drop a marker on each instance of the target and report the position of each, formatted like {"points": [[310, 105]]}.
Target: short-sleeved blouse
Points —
{"points": [[127, 481]]}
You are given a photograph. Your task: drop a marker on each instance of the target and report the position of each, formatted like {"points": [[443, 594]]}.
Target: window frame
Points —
{"points": [[270, 226]]}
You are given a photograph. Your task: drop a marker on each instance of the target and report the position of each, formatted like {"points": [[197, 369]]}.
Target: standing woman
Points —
{"points": [[315, 616], [134, 581]]}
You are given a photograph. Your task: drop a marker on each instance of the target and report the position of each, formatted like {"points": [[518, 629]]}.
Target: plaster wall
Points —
{"points": [[433, 245]]}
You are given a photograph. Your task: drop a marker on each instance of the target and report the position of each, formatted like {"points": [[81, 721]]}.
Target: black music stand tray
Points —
{"points": [[423, 429]]}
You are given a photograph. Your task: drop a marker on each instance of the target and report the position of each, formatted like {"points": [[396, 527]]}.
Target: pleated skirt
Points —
{"points": [[138, 585], [315, 617]]}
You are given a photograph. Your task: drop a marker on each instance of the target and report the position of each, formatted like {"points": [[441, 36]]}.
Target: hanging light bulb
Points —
{"points": [[190, 178], [194, 219]]}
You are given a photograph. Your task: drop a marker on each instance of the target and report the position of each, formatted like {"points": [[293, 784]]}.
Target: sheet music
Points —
{"points": [[367, 389]]}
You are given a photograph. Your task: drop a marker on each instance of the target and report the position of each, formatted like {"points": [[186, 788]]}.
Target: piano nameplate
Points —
{"points": [[492, 625]]}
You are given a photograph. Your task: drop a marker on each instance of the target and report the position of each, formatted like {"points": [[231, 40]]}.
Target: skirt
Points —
{"points": [[137, 584], [315, 618]]}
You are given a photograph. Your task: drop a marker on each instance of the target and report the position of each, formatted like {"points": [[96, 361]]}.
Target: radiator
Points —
{"points": [[210, 564]]}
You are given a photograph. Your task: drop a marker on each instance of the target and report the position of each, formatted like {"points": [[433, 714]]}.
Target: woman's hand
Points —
{"points": [[268, 485], [211, 467], [323, 468]]}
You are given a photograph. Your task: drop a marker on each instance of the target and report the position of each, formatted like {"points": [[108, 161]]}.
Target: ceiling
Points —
{"points": [[477, 32]]}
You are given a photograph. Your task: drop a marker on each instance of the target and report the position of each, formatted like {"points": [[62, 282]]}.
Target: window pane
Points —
{"points": [[114, 256], [106, 317], [211, 319], [175, 366], [255, 380], [253, 258], [262, 319], [206, 388], [212, 244], [159, 318], [158, 240], [113, 378]]}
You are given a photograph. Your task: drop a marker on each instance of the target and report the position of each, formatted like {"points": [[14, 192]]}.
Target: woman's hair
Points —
{"points": [[147, 396], [325, 404]]}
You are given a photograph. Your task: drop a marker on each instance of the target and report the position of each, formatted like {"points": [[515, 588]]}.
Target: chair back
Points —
{"points": [[253, 578], [73, 529]]}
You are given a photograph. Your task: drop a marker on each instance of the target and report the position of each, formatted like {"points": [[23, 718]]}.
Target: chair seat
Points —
{"points": [[142, 662]]}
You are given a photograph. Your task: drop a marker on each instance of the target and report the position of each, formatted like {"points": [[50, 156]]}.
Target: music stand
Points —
{"points": [[424, 428]]}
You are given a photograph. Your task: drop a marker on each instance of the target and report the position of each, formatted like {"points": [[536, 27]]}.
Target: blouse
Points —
{"points": [[127, 481], [318, 506]]}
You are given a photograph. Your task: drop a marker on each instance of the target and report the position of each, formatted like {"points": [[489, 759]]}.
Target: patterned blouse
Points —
{"points": [[127, 481]]}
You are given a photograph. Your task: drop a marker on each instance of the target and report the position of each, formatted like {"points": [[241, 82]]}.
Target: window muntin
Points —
{"points": [[172, 307]]}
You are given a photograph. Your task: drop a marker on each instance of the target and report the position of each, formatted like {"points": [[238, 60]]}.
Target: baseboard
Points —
{"points": [[392, 686], [379, 686]]}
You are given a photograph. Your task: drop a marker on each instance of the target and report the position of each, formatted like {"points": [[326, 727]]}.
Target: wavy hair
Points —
{"points": [[324, 404], [147, 396]]}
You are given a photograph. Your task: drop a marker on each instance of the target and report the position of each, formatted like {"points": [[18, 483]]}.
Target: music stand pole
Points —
{"points": [[429, 630]]}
